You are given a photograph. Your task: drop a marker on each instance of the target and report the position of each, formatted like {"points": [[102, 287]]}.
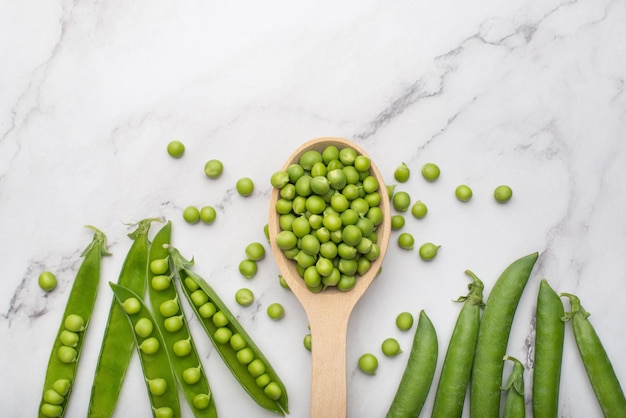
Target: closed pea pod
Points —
{"points": [[597, 364], [240, 351], [457, 365], [419, 372], [514, 406], [118, 341], [61, 366], [178, 340], [493, 337], [155, 362], [549, 336]]}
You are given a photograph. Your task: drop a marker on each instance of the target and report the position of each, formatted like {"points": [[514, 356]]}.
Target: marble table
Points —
{"points": [[525, 93]]}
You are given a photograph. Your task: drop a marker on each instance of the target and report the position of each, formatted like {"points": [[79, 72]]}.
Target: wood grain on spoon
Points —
{"points": [[329, 311]]}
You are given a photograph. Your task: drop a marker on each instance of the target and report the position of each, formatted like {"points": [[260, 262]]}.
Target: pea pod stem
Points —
{"points": [[419, 372], [549, 337], [514, 405], [604, 381], [118, 342], [493, 337], [80, 304], [457, 365]]}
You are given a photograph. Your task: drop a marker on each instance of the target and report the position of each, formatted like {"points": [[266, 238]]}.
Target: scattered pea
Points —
{"points": [[503, 194], [428, 251], [255, 251], [419, 209], [307, 342], [244, 296], [397, 222], [401, 201], [430, 171], [402, 173], [404, 321], [47, 281], [275, 311], [406, 241], [208, 214], [175, 149], [74, 323], [248, 268], [245, 186], [213, 168], [391, 347], [368, 363], [463, 193], [191, 215]]}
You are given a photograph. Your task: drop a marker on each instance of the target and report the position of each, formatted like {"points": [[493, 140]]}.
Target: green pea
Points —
{"points": [[406, 241], [220, 319], [402, 173], [404, 321], [201, 401], [263, 380], [237, 342], [163, 412], [52, 397], [191, 215], [339, 202], [74, 322], [279, 179], [375, 215], [245, 355], [324, 266], [61, 386], [50, 410], [320, 185], [150, 345], [173, 323], [310, 245], [182, 348], [282, 282], [401, 201], [347, 156], [362, 265], [309, 158], [67, 354], [192, 375], [222, 335], [69, 338], [463, 193], [248, 268], [362, 163], [191, 284], [315, 204], [208, 214], [159, 266], [47, 281], [330, 153], [337, 179], [244, 296], [245, 186], [502, 194], [430, 171], [255, 251], [419, 209], [428, 251], [199, 298], [157, 386], [390, 347], [390, 190], [160, 282], [144, 327], [368, 363], [286, 240], [333, 278], [346, 282], [256, 367], [169, 308], [275, 311], [175, 149], [316, 221], [273, 390], [213, 168], [307, 342], [397, 222]]}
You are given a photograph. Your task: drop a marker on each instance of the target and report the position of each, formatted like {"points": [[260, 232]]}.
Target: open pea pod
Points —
{"points": [[68, 344], [171, 321], [242, 356], [155, 362]]}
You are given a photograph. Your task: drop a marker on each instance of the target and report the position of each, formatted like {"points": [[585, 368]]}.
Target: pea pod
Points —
{"points": [[179, 343], [419, 372], [238, 351], [457, 365], [549, 335], [68, 344], [155, 362], [514, 406], [493, 337], [597, 364]]}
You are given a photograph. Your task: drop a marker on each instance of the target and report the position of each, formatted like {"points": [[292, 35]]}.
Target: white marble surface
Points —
{"points": [[525, 92]]}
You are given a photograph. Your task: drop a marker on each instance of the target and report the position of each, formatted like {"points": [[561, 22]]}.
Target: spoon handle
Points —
{"points": [[328, 372]]}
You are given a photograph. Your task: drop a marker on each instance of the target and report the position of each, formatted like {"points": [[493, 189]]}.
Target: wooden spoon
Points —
{"points": [[328, 312]]}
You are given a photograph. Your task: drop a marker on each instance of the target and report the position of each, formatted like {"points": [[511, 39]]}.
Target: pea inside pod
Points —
{"points": [[64, 359], [242, 356]]}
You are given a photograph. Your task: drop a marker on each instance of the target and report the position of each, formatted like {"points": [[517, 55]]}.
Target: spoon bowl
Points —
{"points": [[329, 311]]}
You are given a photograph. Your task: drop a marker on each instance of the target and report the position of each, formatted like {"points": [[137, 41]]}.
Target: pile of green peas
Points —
{"points": [[329, 208]]}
